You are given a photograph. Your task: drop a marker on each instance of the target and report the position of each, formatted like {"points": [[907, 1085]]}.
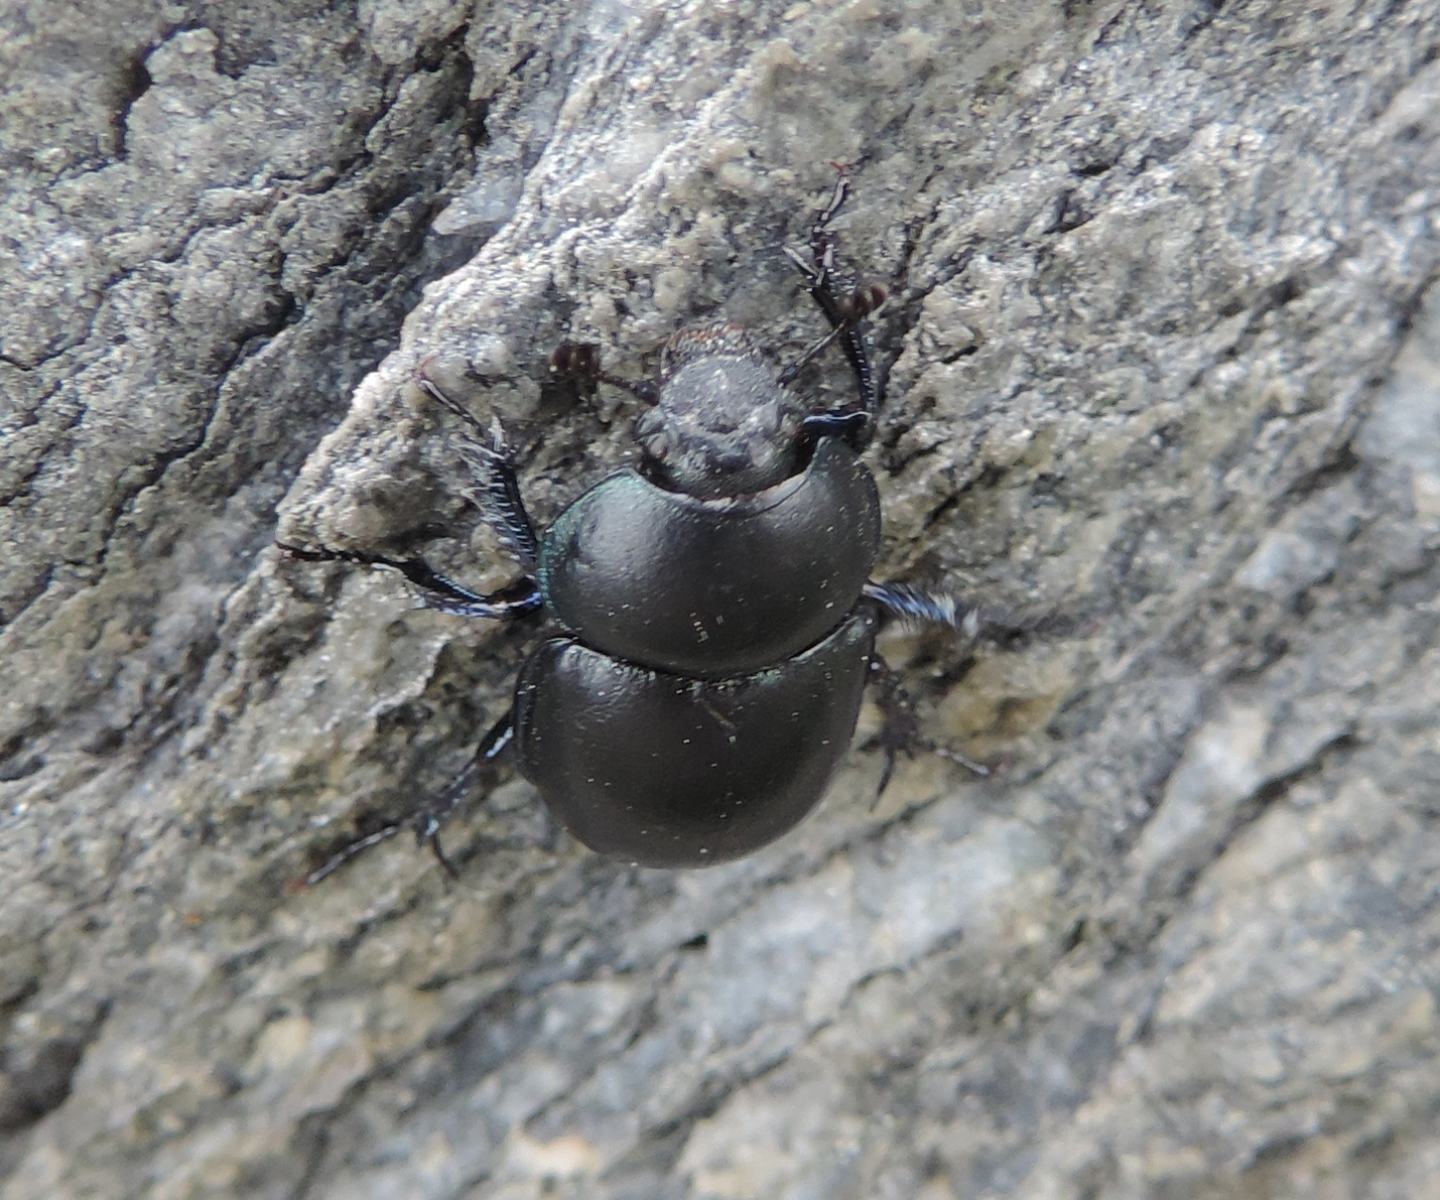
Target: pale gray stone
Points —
{"points": [[1162, 373]]}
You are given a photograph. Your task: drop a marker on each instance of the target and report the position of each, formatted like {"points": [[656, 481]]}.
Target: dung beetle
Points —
{"points": [[715, 615]]}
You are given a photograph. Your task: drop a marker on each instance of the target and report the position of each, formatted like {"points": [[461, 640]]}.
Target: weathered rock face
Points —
{"points": [[1162, 390]]}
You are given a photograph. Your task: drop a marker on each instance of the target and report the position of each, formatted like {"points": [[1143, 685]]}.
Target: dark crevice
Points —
{"points": [[1199, 18], [22, 487], [1341, 461], [134, 82], [1178, 888], [1068, 214], [940, 511], [1095, 167], [42, 1083]]}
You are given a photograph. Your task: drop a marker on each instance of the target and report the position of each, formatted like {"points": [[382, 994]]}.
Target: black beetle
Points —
{"points": [[716, 614]]}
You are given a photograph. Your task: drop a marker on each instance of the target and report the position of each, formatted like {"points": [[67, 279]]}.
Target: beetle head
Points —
{"points": [[722, 426]]}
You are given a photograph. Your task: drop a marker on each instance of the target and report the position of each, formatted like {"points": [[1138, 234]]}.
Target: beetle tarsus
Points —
{"points": [[792, 372], [345, 854], [438, 851], [837, 198]]}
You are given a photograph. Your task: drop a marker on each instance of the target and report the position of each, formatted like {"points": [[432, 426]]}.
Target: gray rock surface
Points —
{"points": [[1163, 391]]}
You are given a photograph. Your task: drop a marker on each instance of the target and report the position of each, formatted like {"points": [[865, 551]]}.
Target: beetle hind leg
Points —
{"points": [[427, 821], [900, 727]]}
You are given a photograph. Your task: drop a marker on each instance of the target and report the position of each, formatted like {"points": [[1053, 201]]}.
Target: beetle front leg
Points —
{"points": [[436, 591], [493, 466], [850, 310], [427, 821]]}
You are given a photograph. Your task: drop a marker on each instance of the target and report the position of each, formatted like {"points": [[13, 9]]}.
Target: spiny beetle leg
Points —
{"points": [[490, 461], [437, 591], [852, 309], [844, 312], [426, 822], [900, 727]]}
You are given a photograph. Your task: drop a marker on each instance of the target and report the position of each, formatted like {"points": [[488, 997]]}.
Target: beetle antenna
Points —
{"points": [[581, 360]]}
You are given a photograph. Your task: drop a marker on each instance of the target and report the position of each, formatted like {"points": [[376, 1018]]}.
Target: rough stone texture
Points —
{"points": [[1163, 389]]}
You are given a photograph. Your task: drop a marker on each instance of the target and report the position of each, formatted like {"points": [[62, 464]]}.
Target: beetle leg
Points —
{"points": [[444, 595], [426, 822], [837, 198], [493, 466], [850, 310], [344, 855], [912, 606], [844, 313], [847, 423], [787, 376], [900, 727]]}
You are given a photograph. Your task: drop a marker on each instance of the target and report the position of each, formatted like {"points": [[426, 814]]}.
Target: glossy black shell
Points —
{"points": [[714, 588], [667, 771]]}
